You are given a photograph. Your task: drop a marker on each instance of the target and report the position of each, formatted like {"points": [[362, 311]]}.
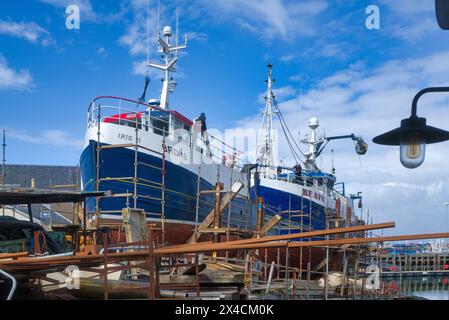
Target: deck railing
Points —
{"points": [[122, 111]]}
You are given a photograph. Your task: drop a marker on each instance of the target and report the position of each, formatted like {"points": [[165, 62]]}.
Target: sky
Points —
{"points": [[326, 64]]}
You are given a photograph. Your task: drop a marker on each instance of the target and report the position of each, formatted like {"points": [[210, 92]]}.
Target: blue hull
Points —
{"points": [[277, 201], [180, 185]]}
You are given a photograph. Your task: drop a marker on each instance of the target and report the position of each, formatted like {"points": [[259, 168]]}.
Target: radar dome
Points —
{"points": [[314, 123], [167, 31]]}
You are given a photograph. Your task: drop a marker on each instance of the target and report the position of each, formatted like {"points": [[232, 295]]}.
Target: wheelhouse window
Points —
{"points": [[160, 122], [309, 182], [178, 124]]}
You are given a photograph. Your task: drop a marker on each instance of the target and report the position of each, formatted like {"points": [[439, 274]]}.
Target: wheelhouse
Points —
{"points": [[153, 119]]}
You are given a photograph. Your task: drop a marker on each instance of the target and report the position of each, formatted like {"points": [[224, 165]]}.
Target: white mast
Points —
{"points": [[168, 85], [312, 142], [265, 141]]}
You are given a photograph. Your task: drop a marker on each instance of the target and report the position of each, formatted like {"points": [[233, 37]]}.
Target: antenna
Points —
{"points": [[148, 30], [158, 16], [4, 159], [177, 29], [333, 168], [167, 49]]}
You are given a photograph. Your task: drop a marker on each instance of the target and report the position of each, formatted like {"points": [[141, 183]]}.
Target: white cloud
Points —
{"points": [[410, 7], [288, 57], [86, 10], [28, 31], [101, 51], [369, 101], [13, 80], [333, 51], [410, 20], [57, 138], [308, 7], [140, 42], [267, 18], [137, 37], [281, 94], [196, 36], [140, 68]]}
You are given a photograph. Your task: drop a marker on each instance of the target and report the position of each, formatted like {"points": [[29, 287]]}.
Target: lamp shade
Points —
{"points": [[442, 13], [412, 125]]}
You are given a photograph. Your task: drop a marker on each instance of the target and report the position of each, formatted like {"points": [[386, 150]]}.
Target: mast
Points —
{"points": [[265, 141], [311, 155], [4, 159], [170, 59]]}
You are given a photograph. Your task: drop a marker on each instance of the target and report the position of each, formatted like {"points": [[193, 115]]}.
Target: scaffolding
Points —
{"points": [[136, 122], [163, 124]]}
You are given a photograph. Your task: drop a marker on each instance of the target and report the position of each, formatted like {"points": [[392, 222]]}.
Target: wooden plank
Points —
{"points": [[224, 230], [41, 263], [307, 234], [134, 221], [13, 255], [353, 241], [269, 225]]}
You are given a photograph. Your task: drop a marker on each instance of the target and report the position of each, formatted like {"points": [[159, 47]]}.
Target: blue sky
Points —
{"points": [[354, 79]]}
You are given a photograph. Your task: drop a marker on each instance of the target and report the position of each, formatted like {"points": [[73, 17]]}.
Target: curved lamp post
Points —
{"points": [[413, 134]]}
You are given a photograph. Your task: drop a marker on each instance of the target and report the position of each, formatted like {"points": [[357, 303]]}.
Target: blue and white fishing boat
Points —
{"points": [[303, 195], [151, 157]]}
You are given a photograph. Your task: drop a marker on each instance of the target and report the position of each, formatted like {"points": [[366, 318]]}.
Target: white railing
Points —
{"points": [[141, 115]]}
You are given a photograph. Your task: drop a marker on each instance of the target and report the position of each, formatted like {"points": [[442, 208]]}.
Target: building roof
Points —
{"points": [[25, 196]]}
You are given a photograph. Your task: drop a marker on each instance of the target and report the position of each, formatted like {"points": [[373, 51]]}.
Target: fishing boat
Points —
{"points": [[151, 157], [303, 195]]}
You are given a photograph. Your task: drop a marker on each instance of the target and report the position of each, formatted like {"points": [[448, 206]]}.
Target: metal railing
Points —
{"points": [[167, 123], [13, 285]]}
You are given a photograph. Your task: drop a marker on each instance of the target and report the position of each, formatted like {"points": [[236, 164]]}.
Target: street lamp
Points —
{"points": [[413, 134]]}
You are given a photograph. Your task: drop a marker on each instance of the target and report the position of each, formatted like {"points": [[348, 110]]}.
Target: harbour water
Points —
{"points": [[431, 288]]}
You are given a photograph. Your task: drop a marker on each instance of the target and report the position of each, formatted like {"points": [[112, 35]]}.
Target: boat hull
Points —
{"points": [[116, 172]]}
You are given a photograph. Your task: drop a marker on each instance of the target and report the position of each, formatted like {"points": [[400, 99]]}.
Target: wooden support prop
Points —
{"points": [[136, 230], [338, 212], [348, 216], [268, 226], [260, 214], [135, 225], [105, 268], [150, 255], [225, 200], [217, 213], [37, 243]]}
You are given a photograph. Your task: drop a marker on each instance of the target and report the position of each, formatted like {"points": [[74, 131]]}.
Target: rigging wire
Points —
{"points": [[288, 134]]}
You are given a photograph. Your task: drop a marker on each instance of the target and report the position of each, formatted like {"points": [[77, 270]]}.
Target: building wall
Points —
{"points": [[45, 176]]}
